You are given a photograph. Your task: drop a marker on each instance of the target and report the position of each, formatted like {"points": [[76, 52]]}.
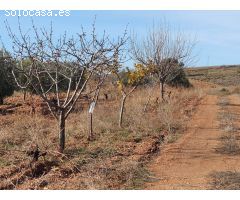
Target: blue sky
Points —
{"points": [[217, 32]]}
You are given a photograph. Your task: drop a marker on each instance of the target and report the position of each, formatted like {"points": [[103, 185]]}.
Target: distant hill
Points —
{"points": [[225, 75]]}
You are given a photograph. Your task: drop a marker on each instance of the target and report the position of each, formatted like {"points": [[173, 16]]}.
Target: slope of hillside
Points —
{"points": [[222, 75]]}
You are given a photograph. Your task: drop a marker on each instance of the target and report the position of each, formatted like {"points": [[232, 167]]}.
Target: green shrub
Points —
{"points": [[180, 80], [6, 79]]}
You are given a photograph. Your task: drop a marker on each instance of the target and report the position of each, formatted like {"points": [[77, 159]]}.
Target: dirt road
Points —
{"points": [[187, 163]]}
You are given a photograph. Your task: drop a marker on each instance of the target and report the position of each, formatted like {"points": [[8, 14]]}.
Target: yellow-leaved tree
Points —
{"points": [[127, 82]]}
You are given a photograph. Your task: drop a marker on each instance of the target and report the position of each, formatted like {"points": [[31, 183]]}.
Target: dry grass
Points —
{"points": [[224, 91], [230, 137], [114, 160], [225, 180], [230, 145]]}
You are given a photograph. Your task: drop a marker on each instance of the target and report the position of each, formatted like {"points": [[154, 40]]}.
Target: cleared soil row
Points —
{"points": [[189, 162]]}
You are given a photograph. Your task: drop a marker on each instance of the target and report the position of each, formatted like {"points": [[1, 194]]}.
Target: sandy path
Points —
{"points": [[187, 163]]}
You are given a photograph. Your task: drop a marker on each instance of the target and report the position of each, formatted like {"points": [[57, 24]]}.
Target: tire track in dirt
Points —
{"points": [[187, 163]]}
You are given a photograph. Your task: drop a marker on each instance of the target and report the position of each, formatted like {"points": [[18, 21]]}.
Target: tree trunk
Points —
{"points": [[62, 131], [1, 101], [91, 109], [24, 95], [162, 90], [121, 111], [90, 136]]}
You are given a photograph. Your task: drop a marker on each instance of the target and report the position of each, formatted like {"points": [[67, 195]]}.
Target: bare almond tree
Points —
{"points": [[165, 51], [93, 102], [56, 62]]}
